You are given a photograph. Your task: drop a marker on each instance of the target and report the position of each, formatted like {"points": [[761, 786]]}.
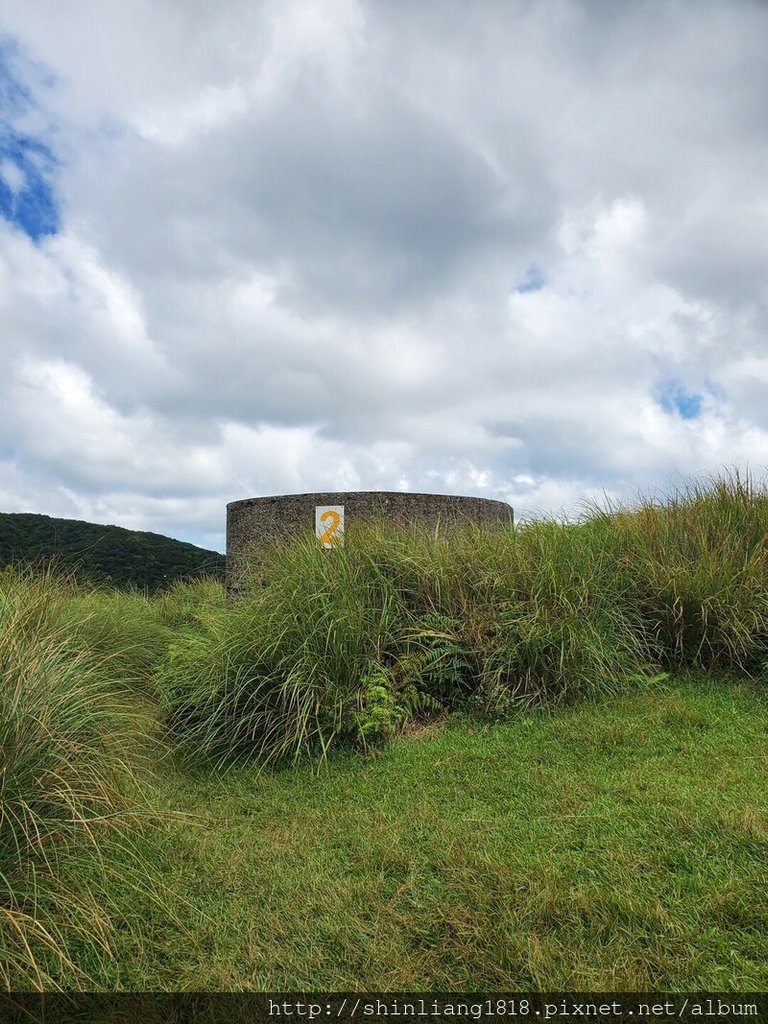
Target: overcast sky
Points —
{"points": [[508, 248]]}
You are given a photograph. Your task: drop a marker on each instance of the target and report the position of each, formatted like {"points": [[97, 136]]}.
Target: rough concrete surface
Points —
{"points": [[256, 521]]}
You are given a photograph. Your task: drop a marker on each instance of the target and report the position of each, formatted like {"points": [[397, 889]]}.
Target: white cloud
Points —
{"points": [[291, 234], [12, 175]]}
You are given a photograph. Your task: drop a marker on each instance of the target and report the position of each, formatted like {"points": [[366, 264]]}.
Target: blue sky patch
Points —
{"points": [[675, 399], [532, 282], [26, 194], [27, 165]]}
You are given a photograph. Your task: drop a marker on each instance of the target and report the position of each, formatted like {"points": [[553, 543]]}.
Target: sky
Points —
{"points": [[512, 249]]}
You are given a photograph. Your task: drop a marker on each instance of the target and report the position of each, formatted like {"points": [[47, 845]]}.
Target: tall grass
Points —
{"points": [[345, 645], [65, 731], [124, 632], [283, 672], [696, 569], [186, 602]]}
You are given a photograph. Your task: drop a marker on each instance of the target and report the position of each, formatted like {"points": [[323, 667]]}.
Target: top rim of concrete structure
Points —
{"points": [[381, 494]]}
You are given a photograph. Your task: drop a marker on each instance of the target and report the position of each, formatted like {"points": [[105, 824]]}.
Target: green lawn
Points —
{"points": [[621, 846]]}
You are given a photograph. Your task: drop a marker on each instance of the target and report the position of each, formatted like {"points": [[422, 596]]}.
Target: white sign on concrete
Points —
{"points": [[329, 525]]}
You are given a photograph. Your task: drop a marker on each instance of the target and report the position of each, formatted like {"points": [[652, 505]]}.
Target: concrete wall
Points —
{"points": [[255, 521]]}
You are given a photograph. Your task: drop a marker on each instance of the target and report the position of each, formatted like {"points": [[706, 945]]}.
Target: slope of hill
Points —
{"points": [[104, 554]]}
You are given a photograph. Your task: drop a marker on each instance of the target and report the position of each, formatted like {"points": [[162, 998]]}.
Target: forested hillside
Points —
{"points": [[107, 555]]}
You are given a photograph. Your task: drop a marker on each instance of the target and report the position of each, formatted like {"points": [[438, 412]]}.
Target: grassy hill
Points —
{"points": [[104, 554], [505, 761]]}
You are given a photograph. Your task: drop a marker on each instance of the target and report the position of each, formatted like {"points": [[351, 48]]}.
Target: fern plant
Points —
{"points": [[440, 666], [389, 699]]}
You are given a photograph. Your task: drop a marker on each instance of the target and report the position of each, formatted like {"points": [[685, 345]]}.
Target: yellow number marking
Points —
{"points": [[327, 536]]}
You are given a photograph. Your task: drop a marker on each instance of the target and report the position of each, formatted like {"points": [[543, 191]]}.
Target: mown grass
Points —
{"points": [[563, 734], [616, 846]]}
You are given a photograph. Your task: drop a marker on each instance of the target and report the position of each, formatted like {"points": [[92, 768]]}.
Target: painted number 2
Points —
{"points": [[329, 525], [328, 534]]}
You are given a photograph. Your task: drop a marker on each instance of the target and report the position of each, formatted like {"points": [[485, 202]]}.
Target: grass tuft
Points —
{"points": [[68, 759]]}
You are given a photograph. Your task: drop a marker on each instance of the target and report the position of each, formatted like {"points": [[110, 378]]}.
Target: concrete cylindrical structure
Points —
{"points": [[253, 522]]}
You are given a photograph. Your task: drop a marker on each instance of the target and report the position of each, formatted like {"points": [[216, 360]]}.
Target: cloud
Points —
{"points": [[505, 249]]}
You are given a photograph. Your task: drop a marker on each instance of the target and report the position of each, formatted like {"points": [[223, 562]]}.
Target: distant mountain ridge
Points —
{"points": [[109, 555]]}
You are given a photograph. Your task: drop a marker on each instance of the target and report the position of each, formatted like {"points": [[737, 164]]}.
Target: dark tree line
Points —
{"points": [[107, 555]]}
